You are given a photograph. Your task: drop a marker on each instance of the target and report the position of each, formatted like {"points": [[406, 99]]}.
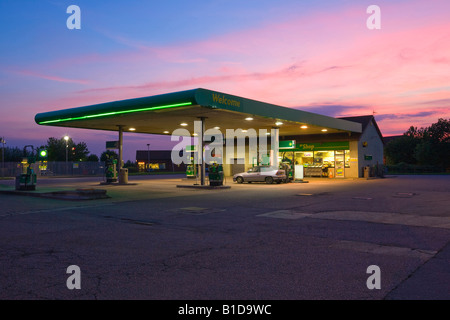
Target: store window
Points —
{"points": [[324, 158], [347, 158], [141, 166], [157, 166], [304, 158], [323, 163]]}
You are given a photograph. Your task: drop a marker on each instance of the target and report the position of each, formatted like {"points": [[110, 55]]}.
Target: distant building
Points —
{"points": [[157, 160]]}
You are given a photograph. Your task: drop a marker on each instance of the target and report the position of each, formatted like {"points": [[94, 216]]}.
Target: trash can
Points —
{"points": [[366, 172], [123, 176]]}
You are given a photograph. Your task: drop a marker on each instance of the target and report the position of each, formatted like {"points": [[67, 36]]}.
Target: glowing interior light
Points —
{"points": [[249, 118], [304, 127], [324, 130], [278, 123], [132, 129], [184, 124]]}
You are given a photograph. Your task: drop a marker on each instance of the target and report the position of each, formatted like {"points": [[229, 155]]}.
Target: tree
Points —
{"points": [[93, 158], [15, 154], [426, 153], [108, 153], [401, 150], [80, 152], [436, 144], [424, 146], [439, 131], [57, 150], [129, 164], [413, 132]]}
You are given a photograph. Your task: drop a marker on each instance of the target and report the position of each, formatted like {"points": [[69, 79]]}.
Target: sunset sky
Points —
{"points": [[313, 55]]}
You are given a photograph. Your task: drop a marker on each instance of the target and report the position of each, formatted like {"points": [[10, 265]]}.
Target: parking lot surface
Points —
{"points": [[152, 240]]}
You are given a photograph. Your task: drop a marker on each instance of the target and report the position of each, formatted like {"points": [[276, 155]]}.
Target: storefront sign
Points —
{"points": [[225, 100], [339, 172], [321, 146], [287, 144]]}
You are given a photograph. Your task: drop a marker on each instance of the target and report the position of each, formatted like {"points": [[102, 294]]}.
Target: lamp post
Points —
{"points": [[148, 156], [67, 153]]}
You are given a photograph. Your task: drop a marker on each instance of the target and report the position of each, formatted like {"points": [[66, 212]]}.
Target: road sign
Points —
{"points": [[112, 145]]}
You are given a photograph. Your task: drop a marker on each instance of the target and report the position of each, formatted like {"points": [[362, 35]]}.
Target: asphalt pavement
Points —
{"points": [[296, 241]]}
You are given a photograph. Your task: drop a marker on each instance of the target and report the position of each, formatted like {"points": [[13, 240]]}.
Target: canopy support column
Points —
{"points": [[120, 161], [200, 150], [274, 147]]}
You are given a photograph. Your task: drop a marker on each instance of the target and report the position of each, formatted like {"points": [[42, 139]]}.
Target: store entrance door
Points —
{"points": [[339, 160]]}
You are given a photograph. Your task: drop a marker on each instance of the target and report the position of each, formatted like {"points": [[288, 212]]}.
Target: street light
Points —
{"points": [[67, 147], [67, 153]]}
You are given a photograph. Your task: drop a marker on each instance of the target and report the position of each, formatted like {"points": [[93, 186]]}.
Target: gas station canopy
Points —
{"points": [[162, 114]]}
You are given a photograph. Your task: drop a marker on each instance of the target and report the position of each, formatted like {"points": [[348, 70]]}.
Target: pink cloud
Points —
{"points": [[328, 56], [50, 77]]}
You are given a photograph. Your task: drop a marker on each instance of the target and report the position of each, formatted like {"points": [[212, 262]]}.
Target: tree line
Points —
{"points": [[56, 151], [427, 146]]}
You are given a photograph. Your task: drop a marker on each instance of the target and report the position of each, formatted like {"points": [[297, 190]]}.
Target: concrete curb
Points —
{"points": [[202, 187], [78, 194]]}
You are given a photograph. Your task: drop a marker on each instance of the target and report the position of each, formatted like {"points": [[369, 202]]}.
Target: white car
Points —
{"points": [[265, 174]]}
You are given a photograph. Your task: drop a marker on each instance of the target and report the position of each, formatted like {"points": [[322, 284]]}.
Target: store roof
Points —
{"points": [[143, 155], [162, 114], [365, 121]]}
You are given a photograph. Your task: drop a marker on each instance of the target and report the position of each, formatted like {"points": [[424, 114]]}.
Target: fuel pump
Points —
{"points": [[191, 168], [111, 169], [27, 180], [288, 167], [215, 174]]}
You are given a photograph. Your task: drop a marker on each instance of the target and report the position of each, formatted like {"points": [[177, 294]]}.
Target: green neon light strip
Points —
{"points": [[118, 112]]}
